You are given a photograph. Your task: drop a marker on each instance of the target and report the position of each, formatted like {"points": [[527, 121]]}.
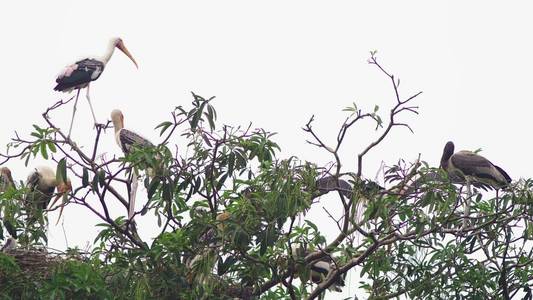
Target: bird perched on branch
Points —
{"points": [[472, 169], [320, 269], [126, 140], [41, 184], [80, 74], [6, 180]]}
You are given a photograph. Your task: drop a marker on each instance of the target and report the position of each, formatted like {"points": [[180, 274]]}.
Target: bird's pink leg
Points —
{"points": [[133, 194], [73, 113], [90, 105]]}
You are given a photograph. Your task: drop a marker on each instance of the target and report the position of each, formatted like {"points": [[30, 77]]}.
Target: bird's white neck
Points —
{"points": [[117, 124], [109, 52]]}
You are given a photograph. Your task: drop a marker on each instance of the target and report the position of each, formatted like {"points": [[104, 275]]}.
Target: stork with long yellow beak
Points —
{"points": [[80, 74], [126, 140]]}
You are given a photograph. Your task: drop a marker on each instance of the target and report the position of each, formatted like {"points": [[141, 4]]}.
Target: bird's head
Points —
{"points": [[6, 173], [221, 218], [120, 45], [446, 154], [5, 178], [118, 119]]}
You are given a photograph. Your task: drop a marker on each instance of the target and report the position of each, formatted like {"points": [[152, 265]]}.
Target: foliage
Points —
{"points": [[227, 204]]}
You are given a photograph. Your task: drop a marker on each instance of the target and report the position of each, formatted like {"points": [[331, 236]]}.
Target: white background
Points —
{"points": [[275, 64]]}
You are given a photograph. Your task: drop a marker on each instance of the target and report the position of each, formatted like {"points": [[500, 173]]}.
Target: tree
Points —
{"points": [[227, 206]]}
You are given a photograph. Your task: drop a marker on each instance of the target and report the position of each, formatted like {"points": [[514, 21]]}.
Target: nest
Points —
{"points": [[36, 263]]}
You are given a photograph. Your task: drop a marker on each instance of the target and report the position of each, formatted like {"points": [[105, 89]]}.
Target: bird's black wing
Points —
{"points": [[471, 164], [82, 72], [329, 183], [507, 177], [128, 139]]}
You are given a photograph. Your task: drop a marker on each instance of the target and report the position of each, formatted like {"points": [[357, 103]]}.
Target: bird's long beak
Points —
{"points": [[123, 48], [62, 191]]}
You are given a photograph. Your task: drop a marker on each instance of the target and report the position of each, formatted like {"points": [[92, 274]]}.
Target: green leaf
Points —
{"points": [[153, 187], [101, 177], [231, 163], [52, 147], [221, 181], [167, 192], [61, 170], [43, 150], [198, 115], [164, 126], [94, 183], [223, 267], [85, 177], [241, 239], [263, 248], [312, 225], [211, 117], [206, 140], [27, 160]]}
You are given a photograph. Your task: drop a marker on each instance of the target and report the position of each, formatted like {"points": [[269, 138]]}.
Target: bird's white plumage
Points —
{"points": [[126, 139], [80, 74], [46, 174]]}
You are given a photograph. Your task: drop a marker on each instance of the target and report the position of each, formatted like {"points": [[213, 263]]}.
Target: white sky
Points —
{"points": [[276, 64]]}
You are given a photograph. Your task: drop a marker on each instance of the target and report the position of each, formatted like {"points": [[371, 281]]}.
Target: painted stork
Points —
{"points": [[472, 169], [320, 269], [80, 74], [126, 140], [6, 180], [41, 184]]}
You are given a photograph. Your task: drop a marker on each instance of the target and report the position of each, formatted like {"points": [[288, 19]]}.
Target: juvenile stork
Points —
{"points": [[126, 140], [472, 169], [41, 184], [80, 74], [6, 180]]}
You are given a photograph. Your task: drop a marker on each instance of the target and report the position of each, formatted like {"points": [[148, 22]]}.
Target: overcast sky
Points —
{"points": [[275, 64]]}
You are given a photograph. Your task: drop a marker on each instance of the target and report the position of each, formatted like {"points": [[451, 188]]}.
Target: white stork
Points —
{"points": [[472, 168], [80, 74], [6, 180], [41, 184], [126, 140]]}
